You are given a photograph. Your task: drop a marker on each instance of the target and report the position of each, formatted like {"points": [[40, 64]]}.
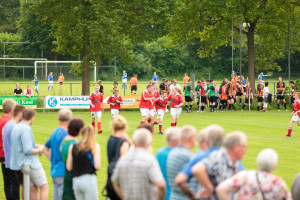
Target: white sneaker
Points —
{"points": [[279, 110]]}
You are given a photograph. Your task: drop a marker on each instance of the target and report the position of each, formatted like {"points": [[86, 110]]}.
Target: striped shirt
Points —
{"points": [[177, 159]]}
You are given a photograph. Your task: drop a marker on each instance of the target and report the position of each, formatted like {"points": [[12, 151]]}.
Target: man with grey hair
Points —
{"points": [[52, 152], [178, 158], [213, 136], [222, 164], [172, 136], [260, 184], [137, 174]]}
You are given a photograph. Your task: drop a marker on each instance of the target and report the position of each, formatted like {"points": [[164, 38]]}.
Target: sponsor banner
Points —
{"points": [[21, 100], [82, 102]]}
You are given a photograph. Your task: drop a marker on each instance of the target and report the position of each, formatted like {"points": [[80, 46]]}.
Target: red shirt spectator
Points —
{"points": [[96, 100], [3, 120]]}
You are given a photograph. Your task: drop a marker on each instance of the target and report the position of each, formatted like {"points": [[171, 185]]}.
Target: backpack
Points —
{"points": [[162, 86]]}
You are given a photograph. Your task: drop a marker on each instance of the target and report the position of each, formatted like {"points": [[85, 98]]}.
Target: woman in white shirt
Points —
{"points": [[265, 95]]}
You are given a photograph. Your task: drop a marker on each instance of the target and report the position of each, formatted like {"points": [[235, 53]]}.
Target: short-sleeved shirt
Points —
{"points": [[162, 157], [18, 91], [262, 77], [50, 77], [280, 85], [137, 174], [172, 86], [133, 81], [124, 76], [185, 80], [187, 91], [101, 89], [245, 186], [198, 90], [211, 90], [36, 81], [146, 103], [175, 100], [61, 79], [28, 91], [7, 130], [113, 99], [54, 143], [155, 78], [96, 100], [160, 103], [297, 107], [177, 159]]}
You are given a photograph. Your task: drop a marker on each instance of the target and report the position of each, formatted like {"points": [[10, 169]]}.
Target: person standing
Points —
{"points": [[18, 90], [36, 84], [211, 93], [124, 79], [155, 78], [25, 150], [101, 87], [280, 93], [115, 102], [52, 152], [61, 80], [96, 107], [176, 105], [293, 91], [8, 106], [160, 105], [261, 76], [133, 84], [248, 95], [50, 80], [174, 85], [186, 79], [187, 95], [260, 91], [217, 99], [295, 115], [266, 95]]}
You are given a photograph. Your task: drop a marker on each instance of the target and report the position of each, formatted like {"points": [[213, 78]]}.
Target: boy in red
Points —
{"points": [[146, 106], [115, 102], [96, 103], [176, 105], [295, 115], [160, 105], [155, 95]]}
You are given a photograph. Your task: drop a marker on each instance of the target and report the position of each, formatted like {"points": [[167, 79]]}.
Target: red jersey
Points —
{"points": [[3, 120], [160, 103], [156, 94], [146, 103], [113, 99], [202, 87], [96, 100], [175, 100], [297, 107]]}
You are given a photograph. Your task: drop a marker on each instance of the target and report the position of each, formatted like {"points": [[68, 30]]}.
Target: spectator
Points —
{"points": [[18, 90], [61, 80], [213, 137], [168, 87], [296, 187], [186, 79], [162, 86], [52, 152], [101, 87], [155, 78], [117, 146], [133, 84], [222, 164], [84, 159], [172, 137], [260, 184], [178, 158], [74, 128], [28, 92], [8, 106], [11, 183], [25, 150], [137, 175], [174, 85], [266, 95], [233, 74], [261, 76]]}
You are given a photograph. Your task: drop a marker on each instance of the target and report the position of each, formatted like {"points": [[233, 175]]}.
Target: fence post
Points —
{"points": [[26, 181], [71, 89], [44, 104]]}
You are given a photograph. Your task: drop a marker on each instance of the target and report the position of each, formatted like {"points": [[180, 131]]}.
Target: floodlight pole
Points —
{"points": [[232, 46]]}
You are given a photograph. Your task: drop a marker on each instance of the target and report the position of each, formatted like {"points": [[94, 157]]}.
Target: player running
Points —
{"points": [[160, 105], [295, 115], [133, 84], [115, 102], [145, 104], [187, 96], [36, 84], [124, 79], [50, 81], [176, 105], [280, 93], [260, 91], [96, 103], [248, 93]]}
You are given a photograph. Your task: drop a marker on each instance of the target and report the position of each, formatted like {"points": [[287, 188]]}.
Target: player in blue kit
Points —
{"points": [[50, 80], [36, 84], [124, 79]]}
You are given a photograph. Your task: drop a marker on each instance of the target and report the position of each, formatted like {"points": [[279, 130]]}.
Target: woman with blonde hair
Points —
{"points": [[118, 145], [84, 159]]}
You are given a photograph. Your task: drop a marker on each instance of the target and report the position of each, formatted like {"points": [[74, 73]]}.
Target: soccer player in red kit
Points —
{"points": [[161, 104], [115, 102], [155, 95], [295, 115], [146, 106], [96, 105], [176, 105]]}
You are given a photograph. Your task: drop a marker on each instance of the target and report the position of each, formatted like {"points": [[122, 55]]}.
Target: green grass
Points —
{"points": [[264, 130]]}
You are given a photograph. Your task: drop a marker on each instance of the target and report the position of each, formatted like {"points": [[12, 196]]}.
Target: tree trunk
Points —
{"points": [[86, 64], [251, 55]]}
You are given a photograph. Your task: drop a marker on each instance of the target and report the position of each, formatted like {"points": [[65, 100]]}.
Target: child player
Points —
{"points": [[223, 95], [231, 94], [198, 91], [295, 114], [260, 91], [50, 81], [211, 93], [28, 92], [248, 93], [187, 96], [145, 104], [280, 93], [239, 91], [36, 84], [115, 101], [124, 79], [96, 103], [293, 91], [176, 105], [61, 79], [161, 104]]}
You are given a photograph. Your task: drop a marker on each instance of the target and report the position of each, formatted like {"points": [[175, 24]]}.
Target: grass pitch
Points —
{"points": [[264, 130]]}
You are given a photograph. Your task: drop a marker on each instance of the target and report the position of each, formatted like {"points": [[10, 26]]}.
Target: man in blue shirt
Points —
{"points": [[124, 79], [155, 78], [54, 155], [214, 140], [50, 80], [36, 84], [25, 151], [262, 76], [172, 137], [13, 183]]}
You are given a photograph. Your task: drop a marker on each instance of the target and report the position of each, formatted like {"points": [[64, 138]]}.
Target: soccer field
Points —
{"points": [[264, 130]]}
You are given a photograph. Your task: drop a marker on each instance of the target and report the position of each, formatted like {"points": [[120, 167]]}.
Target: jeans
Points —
{"points": [[11, 184], [85, 187], [58, 187]]}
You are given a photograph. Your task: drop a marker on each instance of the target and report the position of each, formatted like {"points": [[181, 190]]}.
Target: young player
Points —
{"points": [[176, 105], [260, 90], [145, 104], [217, 99], [211, 94], [115, 102], [160, 105], [239, 91], [198, 92], [223, 95], [280, 93], [133, 84], [28, 92], [155, 78], [186, 78], [231, 94], [96, 107], [248, 94], [36, 84], [203, 91], [50, 81], [156, 95], [167, 89], [61, 79], [187, 96], [293, 91], [295, 115], [124, 79], [206, 91]]}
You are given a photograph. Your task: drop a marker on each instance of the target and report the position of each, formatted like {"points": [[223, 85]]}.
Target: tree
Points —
{"points": [[266, 21], [102, 29], [9, 15]]}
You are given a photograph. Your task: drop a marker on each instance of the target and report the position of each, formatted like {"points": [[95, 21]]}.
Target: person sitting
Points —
{"points": [[28, 92], [18, 90]]}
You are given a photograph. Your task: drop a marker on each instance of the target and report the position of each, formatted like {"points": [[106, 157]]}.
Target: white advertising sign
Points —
{"points": [[72, 102]]}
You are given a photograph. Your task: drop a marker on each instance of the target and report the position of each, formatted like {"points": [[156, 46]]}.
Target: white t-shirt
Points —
{"points": [[174, 86], [266, 91]]}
